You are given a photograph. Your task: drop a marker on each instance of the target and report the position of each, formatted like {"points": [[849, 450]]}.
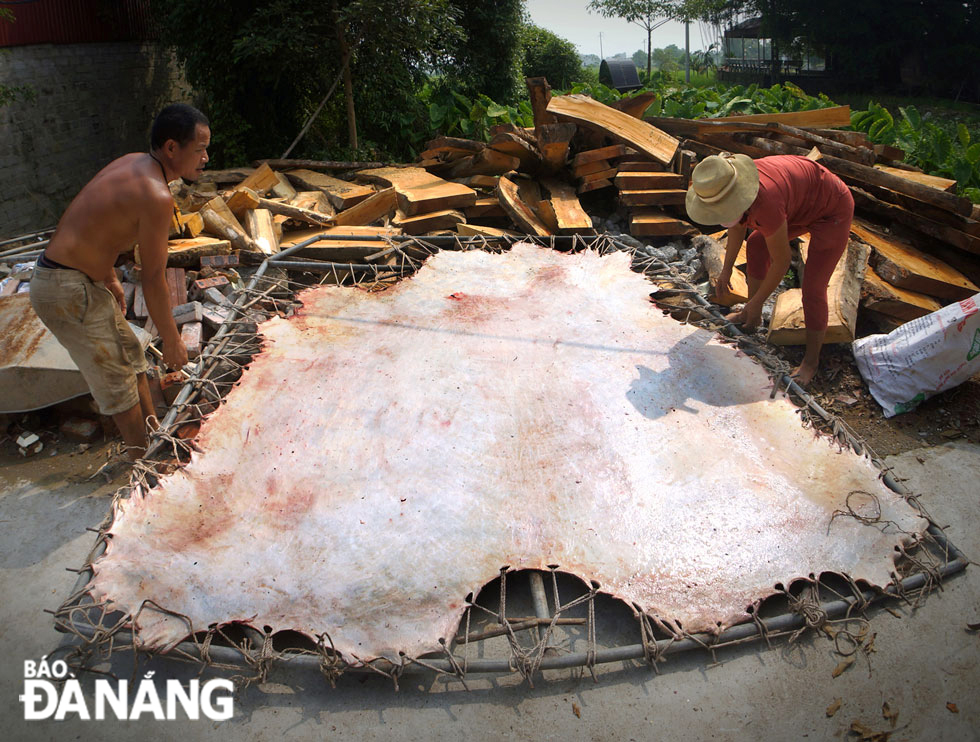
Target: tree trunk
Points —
{"points": [[348, 85]]}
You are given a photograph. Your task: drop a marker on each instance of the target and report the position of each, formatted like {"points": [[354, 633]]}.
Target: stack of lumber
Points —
{"points": [[924, 239]]}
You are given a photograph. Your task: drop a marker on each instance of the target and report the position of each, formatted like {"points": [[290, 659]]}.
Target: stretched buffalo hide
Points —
{"points": [[388, 452]]}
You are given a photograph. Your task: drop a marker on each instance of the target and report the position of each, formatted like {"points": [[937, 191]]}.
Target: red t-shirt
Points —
{"points": [[795, 190]]}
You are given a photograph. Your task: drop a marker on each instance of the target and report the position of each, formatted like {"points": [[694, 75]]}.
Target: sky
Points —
{"points": [[570, 20]]}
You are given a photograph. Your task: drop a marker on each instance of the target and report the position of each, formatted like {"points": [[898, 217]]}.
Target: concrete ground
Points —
{"points": [[924, 664]]}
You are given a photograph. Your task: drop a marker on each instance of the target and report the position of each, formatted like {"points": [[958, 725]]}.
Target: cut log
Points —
{"points": [[907, 267], [428, 222], [927, 194], [933, 181], [539, 91], [374, 207], [612, 152], [853, 138], [313, 201], [594, 185], [454, 144], [618, 125], [262, 180], [713, 258], [241, 200], [787, 326], [515, 146], [600, 175], [220, 222], [296, 213], [474, 230], [187, 253], [636, 105], [640, 166], [667, 197], [191, 225], [546, 213], [348, 250], [553, 141], [341, 193], [486, 162], [259, 224], [649, 221], [865, 202], [640, 181], [879, 295], [485, 208], [283, 189], [478, 181], [569, 214], [522, 214], [819, 117], [587, 168], [888, 152], [419, 191]]}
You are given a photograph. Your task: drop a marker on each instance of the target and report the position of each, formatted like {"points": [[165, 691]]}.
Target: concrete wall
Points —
{"points": [[94, 102]]}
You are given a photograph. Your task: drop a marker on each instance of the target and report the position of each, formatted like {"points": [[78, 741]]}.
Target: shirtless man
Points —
{"points": [[75, 291]]}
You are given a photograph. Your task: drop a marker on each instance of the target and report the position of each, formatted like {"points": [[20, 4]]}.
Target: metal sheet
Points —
{"points": [[388, 453]]}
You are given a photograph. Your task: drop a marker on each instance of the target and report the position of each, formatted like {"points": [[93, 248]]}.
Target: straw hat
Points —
{"points": [[722, 188]]}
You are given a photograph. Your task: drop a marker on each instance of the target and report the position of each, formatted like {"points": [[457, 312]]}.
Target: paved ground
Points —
{"points": [[924, 665]]}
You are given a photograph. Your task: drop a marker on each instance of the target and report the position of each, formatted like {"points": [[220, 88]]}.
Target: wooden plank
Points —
{"points": [[187, 253], [220, 222], [932, 181], [553, 141], [472, 230], [283, 188], [905, 266], [454, 144], [374, 207], [539, 91], [478, 181], [635, 105], [580, 171], [313, 201], [485, 207], [262, 180], [296, 213], [787, 326], [486, 162], [889, 152], [927, 194], [667, 197], [713, 259], [594, 185], [879, 295], [640, 166], [620, 126], [570, 217], [428, 222], [515, 146], [342, 194], [649, 222], [601, 175], [419, 191], [518, 210], [191, 224], [176, 286], [827, 118], [241, 200], [350, 250], [258, 222], [639, 181], [611, 152]]}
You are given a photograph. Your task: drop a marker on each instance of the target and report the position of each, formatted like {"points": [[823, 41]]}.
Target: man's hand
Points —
{"points": [[748, 317], [116, 289], [174, 354], [723, 284]]}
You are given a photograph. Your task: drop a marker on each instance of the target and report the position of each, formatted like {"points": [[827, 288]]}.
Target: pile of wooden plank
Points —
{"points": [[921, 241]]}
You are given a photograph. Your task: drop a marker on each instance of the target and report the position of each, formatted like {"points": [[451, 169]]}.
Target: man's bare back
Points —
{"points": [[127, 202]]}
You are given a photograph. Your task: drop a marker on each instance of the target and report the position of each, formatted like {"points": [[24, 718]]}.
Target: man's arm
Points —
{"points": [[736, 236], [153, 229]]}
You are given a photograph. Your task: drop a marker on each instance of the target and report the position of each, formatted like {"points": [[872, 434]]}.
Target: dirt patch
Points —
{"points": [[839, 388]]}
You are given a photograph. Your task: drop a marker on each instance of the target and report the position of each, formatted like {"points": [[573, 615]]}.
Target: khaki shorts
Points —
{"points": [[86, 319]]}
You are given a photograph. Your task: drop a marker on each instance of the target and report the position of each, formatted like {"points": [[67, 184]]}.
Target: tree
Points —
{"points": [[647, 14], [12, 93], [548, 55], [258, 78], [488, 56]]}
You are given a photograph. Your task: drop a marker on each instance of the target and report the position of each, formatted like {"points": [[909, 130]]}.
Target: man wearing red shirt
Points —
{"points": [[778, 198]]}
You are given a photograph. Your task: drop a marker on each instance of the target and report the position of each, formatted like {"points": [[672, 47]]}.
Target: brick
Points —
{"points": [[80, 429], [219, 261], [191, 333], [189, 312], [214, 296], [200, 285], [214, 316]]}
